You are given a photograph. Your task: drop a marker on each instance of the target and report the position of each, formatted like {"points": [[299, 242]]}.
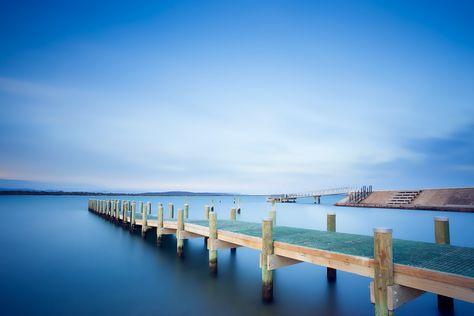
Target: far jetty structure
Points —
{"points": [[401, 269]]}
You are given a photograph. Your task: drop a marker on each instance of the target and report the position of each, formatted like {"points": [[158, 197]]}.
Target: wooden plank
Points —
{"points": [[166, 231], [187, 235], [354, 264], [446, 284], [216, 244], [242, 240], [152, 223], [197, 229], [170, 224]]}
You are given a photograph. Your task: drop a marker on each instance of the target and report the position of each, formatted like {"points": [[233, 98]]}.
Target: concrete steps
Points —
{"points": [[404, 197]]}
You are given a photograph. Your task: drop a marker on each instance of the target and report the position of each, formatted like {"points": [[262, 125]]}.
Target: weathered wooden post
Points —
{"points": [[383, 269], [117, 210], [159, 225], [171, 210], [233, 215], [442, 237], [179, 232], [331, 227], [207, 210], [273, 215], [124, 212], [132, 216], [238, 205], [146, 209], [186, 210], [212, 235], [141, 208], [267, 249]]}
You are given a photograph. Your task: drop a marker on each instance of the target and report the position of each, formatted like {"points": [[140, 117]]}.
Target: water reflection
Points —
{"points": [[60, 259]]}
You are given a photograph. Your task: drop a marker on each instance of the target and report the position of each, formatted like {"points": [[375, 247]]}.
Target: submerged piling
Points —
{"points": [[233, 215], [212, 235], [331, 227], [383, 269], [442, 237], [179, 231], [267, 249]]}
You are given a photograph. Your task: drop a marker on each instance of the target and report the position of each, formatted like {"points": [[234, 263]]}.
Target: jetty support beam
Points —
{"points": [[397, 295]]}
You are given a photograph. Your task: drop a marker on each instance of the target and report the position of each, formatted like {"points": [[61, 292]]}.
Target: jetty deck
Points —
{"points": [[414, 268]]}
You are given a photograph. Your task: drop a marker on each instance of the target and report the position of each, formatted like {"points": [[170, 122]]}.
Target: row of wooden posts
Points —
{"points": [[383, 255]]}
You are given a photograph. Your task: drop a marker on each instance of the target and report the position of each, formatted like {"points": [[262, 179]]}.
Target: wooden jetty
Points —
{"points": [[401, 269], [316, 195]]}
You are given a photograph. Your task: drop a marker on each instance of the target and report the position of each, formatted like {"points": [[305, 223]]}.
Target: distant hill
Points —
{"points": [[85, 193]]}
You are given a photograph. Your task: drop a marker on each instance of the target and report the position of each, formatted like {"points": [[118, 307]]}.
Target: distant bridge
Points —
{"points": [[291, 197]]}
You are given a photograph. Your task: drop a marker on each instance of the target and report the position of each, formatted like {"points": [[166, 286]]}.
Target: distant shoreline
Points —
{"points": [[169, 193]]}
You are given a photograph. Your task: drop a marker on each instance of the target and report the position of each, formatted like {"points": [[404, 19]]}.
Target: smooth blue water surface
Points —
{"points": [[59, 259]]}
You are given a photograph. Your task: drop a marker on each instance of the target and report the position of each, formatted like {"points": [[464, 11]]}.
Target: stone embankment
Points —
{"points": [[454, 199]]}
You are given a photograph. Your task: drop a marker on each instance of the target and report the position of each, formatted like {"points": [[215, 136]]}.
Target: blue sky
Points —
{"points": [[236, 96]]}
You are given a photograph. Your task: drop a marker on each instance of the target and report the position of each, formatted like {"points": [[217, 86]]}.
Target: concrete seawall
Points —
{"points": [[455, 199]]}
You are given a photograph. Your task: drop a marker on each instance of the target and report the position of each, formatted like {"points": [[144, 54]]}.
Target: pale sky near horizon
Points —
{"points": [[236, 96]]}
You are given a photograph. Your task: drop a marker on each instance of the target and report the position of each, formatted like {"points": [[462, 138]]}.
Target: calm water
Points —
{"points": [[57, 258]]}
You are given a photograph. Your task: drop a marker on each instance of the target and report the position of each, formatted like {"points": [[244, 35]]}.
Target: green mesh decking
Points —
{"points": [[443, 258]]}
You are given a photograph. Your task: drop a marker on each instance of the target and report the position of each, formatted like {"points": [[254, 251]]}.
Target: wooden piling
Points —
{"points": [[331, 227], [117, 210], [159, 225], [233, 215], [273, 215], [186, 210], [207, 210], [179, 231], [212, 235], [124, 212], [132, 216], [146, 210], [267, 249], [442, 237], [171, 210], [383, 269]]}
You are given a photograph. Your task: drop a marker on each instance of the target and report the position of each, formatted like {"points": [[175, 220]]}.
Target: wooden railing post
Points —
{"points": [[273, 216], [186, 210], [132, 216], [159, 225], [442, 237], [146, 210], [383, 269]]}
